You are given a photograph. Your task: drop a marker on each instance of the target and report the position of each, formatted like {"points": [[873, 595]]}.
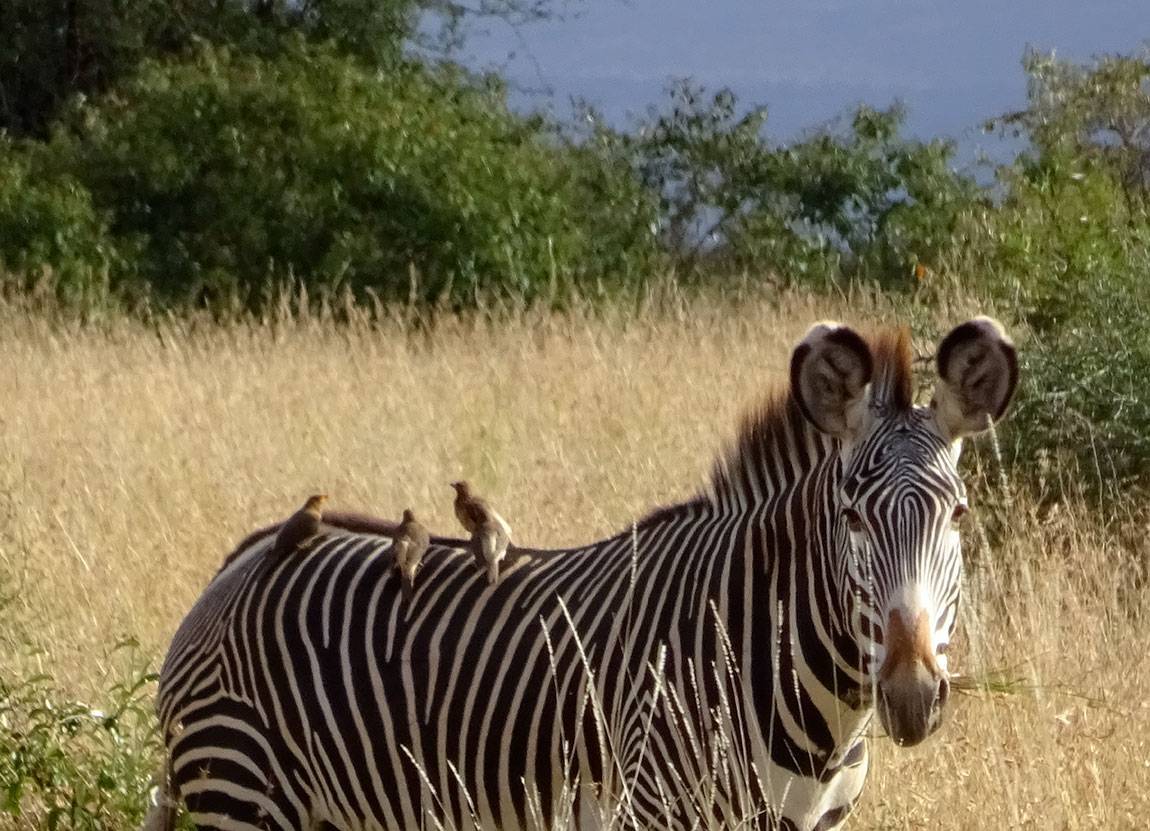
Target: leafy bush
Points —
{"points": [[49, 228], [234, 175], [53, 51], [1068, 249], [1053, 256], [1095, 115], [1081, 424], [66, 765]]}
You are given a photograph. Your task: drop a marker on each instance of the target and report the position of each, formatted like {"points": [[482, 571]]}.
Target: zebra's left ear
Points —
{"points": [[978, 371]]}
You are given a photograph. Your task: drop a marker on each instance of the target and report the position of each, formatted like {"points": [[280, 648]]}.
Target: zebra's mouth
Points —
{"points": [[910, 712]]}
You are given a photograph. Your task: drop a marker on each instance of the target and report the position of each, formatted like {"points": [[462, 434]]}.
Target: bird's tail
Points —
{"points": [[492, 572], [408, 587]]}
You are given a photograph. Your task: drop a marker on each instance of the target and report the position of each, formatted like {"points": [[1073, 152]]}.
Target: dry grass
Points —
{"points": [[133, 458]]}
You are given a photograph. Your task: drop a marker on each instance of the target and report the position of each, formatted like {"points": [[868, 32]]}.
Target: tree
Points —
{"points": [[1095, 114], [51, 50], [228, 175], [861, 201]]}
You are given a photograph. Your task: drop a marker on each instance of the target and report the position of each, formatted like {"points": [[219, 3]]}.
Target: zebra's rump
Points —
{"points": [[310, 682]]}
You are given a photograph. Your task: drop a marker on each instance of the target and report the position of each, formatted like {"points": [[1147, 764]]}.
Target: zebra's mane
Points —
{"points": [[770, 431]]}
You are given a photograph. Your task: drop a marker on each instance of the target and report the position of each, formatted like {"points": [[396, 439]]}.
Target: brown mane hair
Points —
{"points": [[893, 382], [778, 421]]}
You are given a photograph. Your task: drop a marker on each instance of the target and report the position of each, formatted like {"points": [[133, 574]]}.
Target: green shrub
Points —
{"points": [[1068, 250], [863, 202], [50, 230], [1083, 289], [235, 175], [53, 51], [1095, 115], [1082, 422], [67, 765]]}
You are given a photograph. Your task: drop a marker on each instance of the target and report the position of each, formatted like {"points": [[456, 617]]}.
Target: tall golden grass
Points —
{"points": [[133, 456]]}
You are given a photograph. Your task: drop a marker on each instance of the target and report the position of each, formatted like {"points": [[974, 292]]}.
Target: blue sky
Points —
{"points": [[953, 63]]}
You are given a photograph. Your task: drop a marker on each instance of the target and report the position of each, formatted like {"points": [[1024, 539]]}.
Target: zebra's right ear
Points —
{"points": [[830, 372]]}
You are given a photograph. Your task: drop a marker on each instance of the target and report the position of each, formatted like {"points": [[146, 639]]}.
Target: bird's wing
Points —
{"points": [[476, 546], [489, 542], [465, 514], [401, 546], [294, 531], [503, 526]]}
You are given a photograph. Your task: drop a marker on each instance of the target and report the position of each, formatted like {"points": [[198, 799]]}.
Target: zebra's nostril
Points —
{"points": [[943, 692]]}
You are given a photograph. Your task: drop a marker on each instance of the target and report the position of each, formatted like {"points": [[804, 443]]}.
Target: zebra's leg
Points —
{"points": [[162, 813]]}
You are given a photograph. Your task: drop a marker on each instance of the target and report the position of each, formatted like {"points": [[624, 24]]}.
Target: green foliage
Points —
{"points": [[1095, 115], [1083, 288], [65, 765], [52, 50], [1080, 426], [1068, 249], [49, 228], [233, 175], [305, 153], [861, 203]]}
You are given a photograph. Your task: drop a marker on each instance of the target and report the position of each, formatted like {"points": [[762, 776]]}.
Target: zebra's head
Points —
{"points": [[898, 497]]}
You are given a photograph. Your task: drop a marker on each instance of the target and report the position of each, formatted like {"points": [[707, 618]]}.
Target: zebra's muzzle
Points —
{"points": [[912, 688], [911, 712]]}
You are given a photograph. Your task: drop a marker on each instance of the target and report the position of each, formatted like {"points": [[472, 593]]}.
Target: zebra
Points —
{"points": [[717, 664]]}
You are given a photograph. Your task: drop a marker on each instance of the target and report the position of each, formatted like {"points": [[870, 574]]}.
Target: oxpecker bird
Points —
{"points": [[490, 533], [299, 527], [410, 541]]}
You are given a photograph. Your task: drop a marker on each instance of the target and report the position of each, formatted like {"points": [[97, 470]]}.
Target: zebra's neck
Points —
{"points": [[723, 586], [785, 604]]}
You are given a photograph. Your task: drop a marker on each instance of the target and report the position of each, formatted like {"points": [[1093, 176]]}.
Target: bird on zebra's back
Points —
{"points": [[490, 533], [410, 541], [299, 527]]}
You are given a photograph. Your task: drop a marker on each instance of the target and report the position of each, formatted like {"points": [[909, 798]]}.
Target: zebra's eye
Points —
{"points": [[960, 511], [854, 520]]}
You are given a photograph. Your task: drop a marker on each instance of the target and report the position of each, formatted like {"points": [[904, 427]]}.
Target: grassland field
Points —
{"points": [[133, 457]]}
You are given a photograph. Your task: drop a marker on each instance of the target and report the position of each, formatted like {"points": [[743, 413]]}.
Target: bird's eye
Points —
{"points": [[854, 520], [960, 511]]}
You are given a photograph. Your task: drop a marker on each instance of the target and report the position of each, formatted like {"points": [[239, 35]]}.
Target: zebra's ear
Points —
{"points": [[978, 372], [830, 372]]}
